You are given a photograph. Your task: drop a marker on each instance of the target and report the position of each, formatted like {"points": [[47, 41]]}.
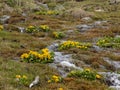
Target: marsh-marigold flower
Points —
{"points": [[25, 77], [98, 76], [87, 69], [18, 76], [60, 88], [1, 27]]}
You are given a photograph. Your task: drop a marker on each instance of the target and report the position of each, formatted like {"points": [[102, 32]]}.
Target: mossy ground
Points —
{"points": [[13, 44]]}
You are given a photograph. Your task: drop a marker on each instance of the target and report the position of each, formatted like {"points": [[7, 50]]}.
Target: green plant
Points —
{"points": [[74, 44], [58, 35], [44, 28], [85, 74], [45, 56], [22, 79], [31, 29], [109, 42], [49, 12]]}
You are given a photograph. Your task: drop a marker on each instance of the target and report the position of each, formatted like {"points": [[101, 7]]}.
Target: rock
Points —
{"points": [[97, 48], [35, 82], [117, 36], [112, 79], [114, 2], [99, 10], [59, 8], [63, 63], [96, 24], [115, 64], [4, 18], [78, 13], [53, 47], [84, 27], [87, 19], [21, 29], [43, 6], [67, 64]]}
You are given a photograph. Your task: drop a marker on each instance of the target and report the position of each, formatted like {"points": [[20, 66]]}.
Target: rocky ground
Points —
{"points": [[92, 23]]}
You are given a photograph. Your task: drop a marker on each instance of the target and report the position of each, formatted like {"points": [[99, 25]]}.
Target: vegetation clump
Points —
{"points": [[85, 74], [31, 29], [22, 79], [44, 56], [58, 35], [55, 79], [49, 12], [44, 28], [109, 42], [74, 44]]}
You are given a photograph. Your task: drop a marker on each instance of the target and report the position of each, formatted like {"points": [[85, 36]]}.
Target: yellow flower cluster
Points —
{"points": [[68, 44], [51, 12], [101, 42], [58, 35], [87, 69], [55, 34], [21, 77], [25, 55], [1, 27], [31, 29], [44, 27], [55, 78], [44, 56], [85, 74], [60, 88], [82, 47]]}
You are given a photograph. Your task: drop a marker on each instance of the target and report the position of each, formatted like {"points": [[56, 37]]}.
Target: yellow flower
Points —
{"points": [[25, 77], [50, 12], [60, 88], [31, 27], [56, 80], [18, 76], [55, 77], [98, 76], [1, 27], [25, 55], [87, 69], [44, 27], [45, 50], [49, 81]]}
